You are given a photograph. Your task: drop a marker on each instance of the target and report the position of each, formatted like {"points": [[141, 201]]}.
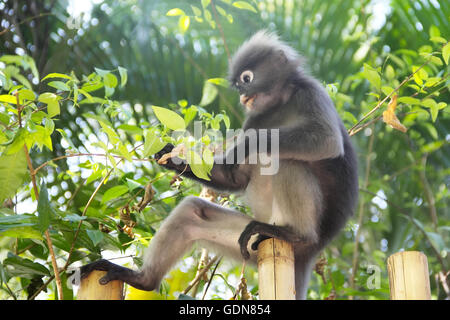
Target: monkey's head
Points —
{"points": [[264, 70]]}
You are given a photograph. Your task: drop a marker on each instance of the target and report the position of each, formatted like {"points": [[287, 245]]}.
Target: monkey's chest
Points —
{"points": [[259, 196]]}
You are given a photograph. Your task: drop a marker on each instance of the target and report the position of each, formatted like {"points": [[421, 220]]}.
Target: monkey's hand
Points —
{"points": [[113, 271], [168, 158], [265, 231]]}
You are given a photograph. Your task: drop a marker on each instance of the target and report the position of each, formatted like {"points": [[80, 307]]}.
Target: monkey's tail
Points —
{"points": [[304, 264]]}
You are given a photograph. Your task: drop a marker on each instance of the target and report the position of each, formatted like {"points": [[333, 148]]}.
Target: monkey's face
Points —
{"points": [[261, 77]]}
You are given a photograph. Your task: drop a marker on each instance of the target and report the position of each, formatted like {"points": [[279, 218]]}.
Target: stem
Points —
{"points": [[361, 213], [351, 131], [210, 279], [86, 207], [428, 192], [199, 275], [80, 155], [219, 26], [36, 193]]}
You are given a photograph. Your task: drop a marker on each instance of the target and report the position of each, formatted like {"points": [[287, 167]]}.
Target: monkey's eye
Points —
{"points": [[246, 76]]}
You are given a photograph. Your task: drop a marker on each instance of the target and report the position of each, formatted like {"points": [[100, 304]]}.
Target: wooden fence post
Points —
{"points": [[90, 289], [408, 276], [276, 270]]}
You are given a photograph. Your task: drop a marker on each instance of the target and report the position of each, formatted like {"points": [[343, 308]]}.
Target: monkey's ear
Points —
{"points": [[281, 56]]}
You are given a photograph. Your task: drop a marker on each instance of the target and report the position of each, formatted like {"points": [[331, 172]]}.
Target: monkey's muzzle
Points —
{"points": [[247, 101]]}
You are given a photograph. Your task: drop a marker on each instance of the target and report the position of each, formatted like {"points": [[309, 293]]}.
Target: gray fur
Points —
{"points": [[313, 193]]}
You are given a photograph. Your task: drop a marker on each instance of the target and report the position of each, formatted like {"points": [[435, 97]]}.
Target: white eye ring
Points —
{"points": [[246, 76]]}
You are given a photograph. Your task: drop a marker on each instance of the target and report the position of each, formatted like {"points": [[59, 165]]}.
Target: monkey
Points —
{"points": [[306, 202]]}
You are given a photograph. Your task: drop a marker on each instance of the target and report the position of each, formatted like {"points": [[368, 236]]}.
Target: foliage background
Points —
{"points": [[361, 50]]}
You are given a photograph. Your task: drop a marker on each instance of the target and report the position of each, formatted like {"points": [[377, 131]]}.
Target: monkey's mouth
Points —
{"points": [[247, 101]]}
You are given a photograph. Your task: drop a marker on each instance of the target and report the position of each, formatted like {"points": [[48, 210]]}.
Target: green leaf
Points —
{"points": [[110, 80], [26, 94], [153, 144], [183, 23], [408, 100], [23, 232], [48, 97], [434, 31], [197, 165], [446, 52], [56, 75], [132, 184], [220, 82], [387, 90], [13, 171], [130, 128], [95, 235], [205, 3], [123, 76], [389, 72], [244, 5], [432, 81], [431, 147], [190, 114], [175, 12], [209, 94], [19, 226], [102, 72], [438, 40], [44, 209], [53, 109], [196, 10], [112, 135], [8, 98], [170, 119], [59, 85], [208, 159], [372, 75], [114, 192], [21, 267]]}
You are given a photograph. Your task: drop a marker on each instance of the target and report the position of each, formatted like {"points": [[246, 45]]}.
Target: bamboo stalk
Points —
{"points": [[276, 270], [408, 276], [91, 289]]}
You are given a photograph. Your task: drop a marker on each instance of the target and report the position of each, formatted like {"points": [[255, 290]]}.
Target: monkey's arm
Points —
{"points": [[226, 177], [313, 140]]}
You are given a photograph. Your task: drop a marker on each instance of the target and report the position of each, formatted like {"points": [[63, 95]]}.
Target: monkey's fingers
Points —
{"points": [[178, 150], [101, 265], [260, 239]]}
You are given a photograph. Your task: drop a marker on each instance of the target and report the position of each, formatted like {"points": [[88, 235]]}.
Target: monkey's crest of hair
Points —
{"points": [[257, 47]]}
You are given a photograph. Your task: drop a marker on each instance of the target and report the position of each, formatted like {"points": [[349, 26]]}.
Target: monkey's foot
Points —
{"points": [[264, 232], [113, 271]]}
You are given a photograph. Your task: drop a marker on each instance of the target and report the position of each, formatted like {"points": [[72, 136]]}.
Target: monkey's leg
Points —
{"points": [[194, 219], [265, 231]]}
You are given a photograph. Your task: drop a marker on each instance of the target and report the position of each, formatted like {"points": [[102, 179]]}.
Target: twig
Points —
{"points": [[84, 154], [36, 193], [379, 104], [210, 278], [428, 192], [361, 213], [219, 26], [25, 21], [199, 276], [87, 206]]}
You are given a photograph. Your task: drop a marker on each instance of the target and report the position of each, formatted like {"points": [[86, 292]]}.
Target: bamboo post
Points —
{"points": [[90, 289], [276, 270], [408, 276]]}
